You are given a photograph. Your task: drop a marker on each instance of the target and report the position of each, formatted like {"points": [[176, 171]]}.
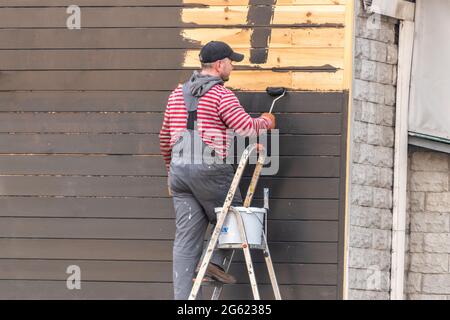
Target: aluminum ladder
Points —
{"points": [[245, 246]]}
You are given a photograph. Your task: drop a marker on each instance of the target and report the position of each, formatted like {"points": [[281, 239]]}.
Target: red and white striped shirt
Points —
{"points": [[218, 110]]}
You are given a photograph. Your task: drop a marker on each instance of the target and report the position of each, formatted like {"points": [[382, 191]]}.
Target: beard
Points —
{"points": [[224, 77]]}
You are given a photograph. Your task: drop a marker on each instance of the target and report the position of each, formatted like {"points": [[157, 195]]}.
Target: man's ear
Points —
{"points": [[217, 66]]}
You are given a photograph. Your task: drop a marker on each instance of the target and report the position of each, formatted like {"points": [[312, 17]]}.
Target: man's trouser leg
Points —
{"points": [[197, 190], [191, 224], [211, 191]]}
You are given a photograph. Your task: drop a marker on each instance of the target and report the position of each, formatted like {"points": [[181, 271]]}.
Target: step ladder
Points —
{"points": [[245, 246]]}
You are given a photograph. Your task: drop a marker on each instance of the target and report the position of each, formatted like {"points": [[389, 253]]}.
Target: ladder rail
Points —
{"points": [[247, 254], [270, 269], [252, 187]]}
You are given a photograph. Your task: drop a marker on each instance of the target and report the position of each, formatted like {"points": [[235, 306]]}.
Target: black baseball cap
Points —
{"points": [[218, 50]]}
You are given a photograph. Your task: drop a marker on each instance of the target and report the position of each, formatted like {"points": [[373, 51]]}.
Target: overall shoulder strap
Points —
{"points": [[191, 104]]}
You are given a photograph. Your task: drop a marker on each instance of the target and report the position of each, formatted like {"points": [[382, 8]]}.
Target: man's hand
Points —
{"points": [[271, 118]]}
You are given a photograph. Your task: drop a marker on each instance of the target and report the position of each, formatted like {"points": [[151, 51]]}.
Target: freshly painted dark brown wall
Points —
{"points": [[81, 179]]}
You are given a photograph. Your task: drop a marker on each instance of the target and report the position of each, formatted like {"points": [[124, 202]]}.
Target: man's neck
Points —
{"points": [[209, 73]]}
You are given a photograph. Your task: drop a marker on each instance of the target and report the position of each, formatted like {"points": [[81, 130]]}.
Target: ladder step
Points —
{"points": [[210, 282], [239, 246]]}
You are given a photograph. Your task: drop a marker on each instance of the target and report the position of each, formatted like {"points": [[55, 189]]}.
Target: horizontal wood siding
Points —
{"points": [[81, 179]]}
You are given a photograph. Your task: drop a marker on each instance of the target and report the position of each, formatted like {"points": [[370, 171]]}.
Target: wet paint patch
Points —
{"points": [[257, 16]]}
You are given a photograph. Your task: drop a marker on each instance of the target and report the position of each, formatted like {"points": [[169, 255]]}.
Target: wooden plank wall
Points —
{"points": [[81, 179]]}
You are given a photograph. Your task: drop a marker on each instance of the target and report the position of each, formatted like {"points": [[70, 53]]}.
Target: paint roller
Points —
{"points": [[278, 92]]}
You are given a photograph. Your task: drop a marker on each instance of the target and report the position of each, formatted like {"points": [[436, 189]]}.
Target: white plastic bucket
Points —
{"points": [[253, 219]]}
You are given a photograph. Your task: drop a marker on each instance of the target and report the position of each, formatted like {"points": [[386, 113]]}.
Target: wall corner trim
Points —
{"points": [[399, 9], [406, 41]]}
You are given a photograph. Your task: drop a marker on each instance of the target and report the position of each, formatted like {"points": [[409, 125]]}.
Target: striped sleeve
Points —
{"points": [[164, 138], [235, 117]]}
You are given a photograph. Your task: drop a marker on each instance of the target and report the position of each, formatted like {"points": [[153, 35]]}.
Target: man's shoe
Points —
{"points": [[218, 274]]}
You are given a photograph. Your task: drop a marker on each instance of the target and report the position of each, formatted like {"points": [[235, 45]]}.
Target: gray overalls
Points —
{"points": [[197, 189]]}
